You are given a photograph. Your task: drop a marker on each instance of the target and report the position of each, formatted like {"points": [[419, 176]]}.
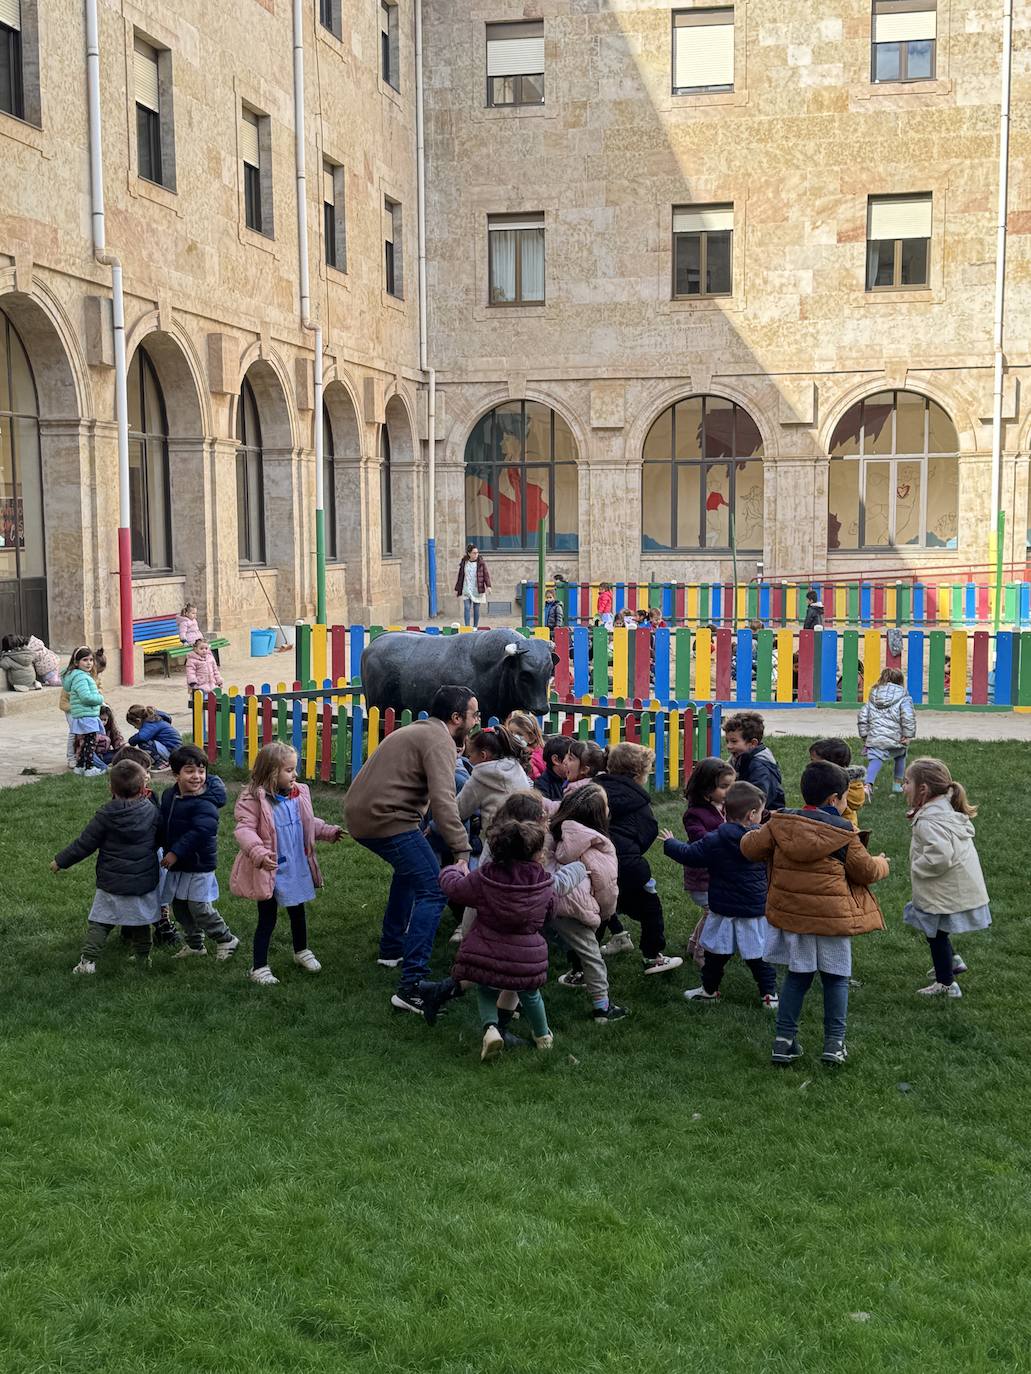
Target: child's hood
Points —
{"points": [[134, 818], [939, 814], [805, 837], [886, 695], [23, 657], [500, 772], [577, 840], [518, 889]]}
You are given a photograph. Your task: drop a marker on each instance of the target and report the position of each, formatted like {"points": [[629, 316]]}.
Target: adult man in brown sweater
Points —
{"points": [[411, 771]]}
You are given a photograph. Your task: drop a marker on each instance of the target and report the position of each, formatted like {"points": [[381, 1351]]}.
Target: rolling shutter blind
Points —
{"points": [[703, 52], [249, 140], [906, 218], [384, 19], [329, 192], [10, 13], [388, 223], [906, 27], [693, 219], [515, 49], [498, 224], [145, 72]]}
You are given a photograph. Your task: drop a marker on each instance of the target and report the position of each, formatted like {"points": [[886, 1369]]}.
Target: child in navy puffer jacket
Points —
{"points": [[154, 732], [736, 922], [189, 811]]}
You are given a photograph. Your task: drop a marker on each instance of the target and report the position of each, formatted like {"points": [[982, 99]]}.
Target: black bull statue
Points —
{"points": [[403, 669]]}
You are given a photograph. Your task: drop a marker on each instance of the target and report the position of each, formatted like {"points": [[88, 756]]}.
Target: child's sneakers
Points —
{"points": [[896, 789], [662, 963], [492, 1044], [544, 1042], [700, 995], [834, 1052], [619, 944], [609, 1013], [227, 948], [941, 990], [391, 963], [188, 952], [785, 1051], [572, 978], [263, 975], [85, 966], [306, 959], [770, 1001], [958, 966]]}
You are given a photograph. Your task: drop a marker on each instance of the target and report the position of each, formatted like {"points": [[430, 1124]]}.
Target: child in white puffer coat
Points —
{"points": [[578, 832]]}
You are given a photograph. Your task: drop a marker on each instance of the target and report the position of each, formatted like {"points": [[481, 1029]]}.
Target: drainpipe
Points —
{"points": [[431, 403], [1000, 269], [118, 314], [306, 320]]}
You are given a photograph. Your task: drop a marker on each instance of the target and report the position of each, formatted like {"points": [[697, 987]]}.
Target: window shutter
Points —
{"points": [[249, 140], [329, 190], [703, 52], [515, 49], [692, 219], [10, 13], [906, 27], [388, 224], [145, 72], [902, 218], [384, 18]]}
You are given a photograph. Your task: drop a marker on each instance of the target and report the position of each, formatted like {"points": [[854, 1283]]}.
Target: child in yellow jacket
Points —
{"points": [[835, 750]]}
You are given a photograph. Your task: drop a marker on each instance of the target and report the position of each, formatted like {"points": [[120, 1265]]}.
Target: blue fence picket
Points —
{"points": [[659, 744], [970, 603], [239, 743], [619, 604], [765, 612], [915, 666], [661, 672], [827, 688], [919, 608], [716, 602], [296, 726], [1003, 685], [581, 661], [743, 663], [357, 739], [601, 725], [357, 647]]}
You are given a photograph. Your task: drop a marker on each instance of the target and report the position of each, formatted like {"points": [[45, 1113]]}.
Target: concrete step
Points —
{"points": [[30, 703]]}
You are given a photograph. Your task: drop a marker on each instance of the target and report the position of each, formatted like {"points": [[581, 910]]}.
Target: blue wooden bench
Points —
{"points": [[158, 637]]}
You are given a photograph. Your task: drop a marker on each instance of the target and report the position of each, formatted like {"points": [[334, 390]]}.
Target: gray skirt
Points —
{"points": [[954, 923], [810, 953], [109, 909]]}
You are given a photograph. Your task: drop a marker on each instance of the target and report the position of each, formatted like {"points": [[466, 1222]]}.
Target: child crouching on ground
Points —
{"points": [[276, 830], [736, 923], [154, 732], [125, 834], [189, 811], [949, 895], [819, 897]]}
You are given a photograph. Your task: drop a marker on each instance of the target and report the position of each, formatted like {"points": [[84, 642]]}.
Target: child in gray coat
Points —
{"points": [[887, 723]]}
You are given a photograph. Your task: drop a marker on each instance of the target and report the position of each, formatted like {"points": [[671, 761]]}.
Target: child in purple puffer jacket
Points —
{"points": [[705, 792]]}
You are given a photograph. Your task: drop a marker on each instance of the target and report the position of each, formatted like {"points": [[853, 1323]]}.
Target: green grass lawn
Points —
{"points": [[203, 1175]]}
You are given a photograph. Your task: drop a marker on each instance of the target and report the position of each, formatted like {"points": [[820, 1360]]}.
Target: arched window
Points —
{"points": [[329, 487], [250, 479], [150, 506], [386, 504], [702, 479], [520, 467], [894, 475], [22, 552]]}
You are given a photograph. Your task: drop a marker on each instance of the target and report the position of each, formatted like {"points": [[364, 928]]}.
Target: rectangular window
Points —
{"points": [[12, 91], [334, 235], [904, 39], [392, 248], [390, 64], [148, 112], [703, 243], [516, 253], [515, 64], [250, 152], [329, 16], [703, 51], [898, 242]]}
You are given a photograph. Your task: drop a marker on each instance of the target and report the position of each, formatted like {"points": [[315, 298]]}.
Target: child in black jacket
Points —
{"points": [[190, 812], [125, 834], [633, 830]]}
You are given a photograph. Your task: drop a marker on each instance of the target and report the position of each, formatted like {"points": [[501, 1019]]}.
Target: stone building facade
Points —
{"points": [[584, 371]]}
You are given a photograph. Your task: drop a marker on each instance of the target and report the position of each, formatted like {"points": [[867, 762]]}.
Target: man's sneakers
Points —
{"points": [[619, 944], [264, 976], [609, 1013], [572, 978], [227, 948], [941, 990], [492, 1044], [785, 1051], [958, 966], [700, 995], [409, 999], [85, 966], [435, 995], [306, 960], [834, 1052], [662, 963]]}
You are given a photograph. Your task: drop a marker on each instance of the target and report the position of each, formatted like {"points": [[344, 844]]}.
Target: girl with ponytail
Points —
{"points": [[949, 894]]}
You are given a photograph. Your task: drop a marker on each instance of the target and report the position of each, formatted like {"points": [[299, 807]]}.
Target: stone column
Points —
{"points": [[284, 526], [794, 516], [610, 514], [81, 532]]}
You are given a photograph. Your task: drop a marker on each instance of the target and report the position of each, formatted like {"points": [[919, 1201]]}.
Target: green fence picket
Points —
{"points": [[849, 671], [1024, 671], [302, 654], [682, 680], [936, 668], [600, 661], [852, 611], [342, 742], [764, 666]]}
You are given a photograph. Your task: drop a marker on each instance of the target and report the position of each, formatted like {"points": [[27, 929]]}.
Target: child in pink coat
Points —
{"points": [[202, 672], [276, 830]]}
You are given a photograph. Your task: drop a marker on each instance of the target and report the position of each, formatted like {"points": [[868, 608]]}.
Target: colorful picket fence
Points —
{"points": [[954, 668], [334, 733], [920, 605]]}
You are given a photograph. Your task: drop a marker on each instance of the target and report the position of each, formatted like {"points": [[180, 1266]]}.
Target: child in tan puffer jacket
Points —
{"points": [[578, 832]]}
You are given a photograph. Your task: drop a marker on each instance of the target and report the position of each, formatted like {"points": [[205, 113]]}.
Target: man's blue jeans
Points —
{"points": [[414, 905]]}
